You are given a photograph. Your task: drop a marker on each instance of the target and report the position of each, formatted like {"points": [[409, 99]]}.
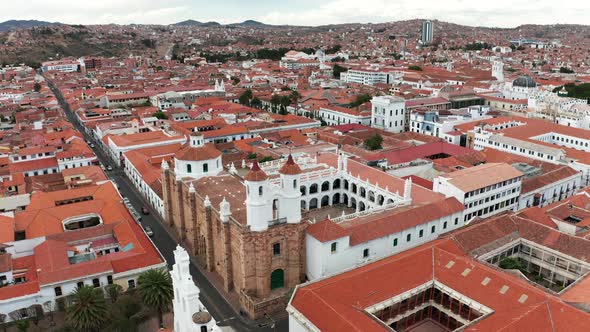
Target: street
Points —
{"points": [[216, 304]]}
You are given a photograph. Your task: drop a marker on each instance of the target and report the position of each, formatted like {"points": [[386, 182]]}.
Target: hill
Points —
{"points": [[197, 23], [23, 24]]}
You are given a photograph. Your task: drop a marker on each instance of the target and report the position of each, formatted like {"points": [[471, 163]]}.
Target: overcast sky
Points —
{"points": [[500, 13]]}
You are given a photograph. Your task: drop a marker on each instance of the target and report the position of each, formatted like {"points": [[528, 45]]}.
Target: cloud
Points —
{"points": [[502, 13]]}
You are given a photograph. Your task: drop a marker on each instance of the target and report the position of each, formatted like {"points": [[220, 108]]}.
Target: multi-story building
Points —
{"points": [[366, 76], [69, 238], [484, 190], [336, 115], [427, 32], [388, 113]]}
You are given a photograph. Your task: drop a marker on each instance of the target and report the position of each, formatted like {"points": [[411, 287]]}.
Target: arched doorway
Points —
{"points": [[361, 206], [277, 279], [313, 203], [325, 200], [353, 202], [336, 199], [325, 186], [303, 190], [303, 205], [345, 199], [336, 184]]}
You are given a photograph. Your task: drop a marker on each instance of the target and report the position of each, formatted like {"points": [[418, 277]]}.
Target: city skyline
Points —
{"points": [[504, 14]]}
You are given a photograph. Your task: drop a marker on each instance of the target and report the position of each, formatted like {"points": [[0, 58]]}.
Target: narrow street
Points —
{"points": [[216, 304]]}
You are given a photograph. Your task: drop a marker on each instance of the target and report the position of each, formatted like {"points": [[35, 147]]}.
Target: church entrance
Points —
{"points": [[277, 279]]}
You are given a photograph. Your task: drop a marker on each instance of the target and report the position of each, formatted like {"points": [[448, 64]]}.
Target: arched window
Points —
{"points": [[189, 168]]}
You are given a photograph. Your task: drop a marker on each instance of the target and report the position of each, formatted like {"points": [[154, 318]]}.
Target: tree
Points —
{"points": [[160, 115], [337, 70], [88, 311], [22, 325], [37, 87], [255, 102], [361, 99], [155, 288], [414, 67], [245, 97], [510, 263], [114, 291], [565, 70], [275, 101], [374, 142]]}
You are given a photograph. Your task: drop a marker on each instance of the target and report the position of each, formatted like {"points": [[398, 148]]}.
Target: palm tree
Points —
{"points": [[114, 291], [88, 310], [155, 288]]}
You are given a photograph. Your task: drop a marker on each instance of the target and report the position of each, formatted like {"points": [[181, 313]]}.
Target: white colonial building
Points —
{"points": [[484, 190], [388, 113]]}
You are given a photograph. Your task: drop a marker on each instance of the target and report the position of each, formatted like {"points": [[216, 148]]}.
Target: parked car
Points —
{"points": [[109, 168], [92, 145], [145, 210], [149, 231]]}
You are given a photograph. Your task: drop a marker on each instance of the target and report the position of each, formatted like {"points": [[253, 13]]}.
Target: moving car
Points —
{"points": [[149, 231]]}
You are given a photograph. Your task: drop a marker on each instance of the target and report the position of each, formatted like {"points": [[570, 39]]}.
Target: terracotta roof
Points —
{"points": [[256, 173], [290, 167], [189, 153], [338, 303], [481, 176]]}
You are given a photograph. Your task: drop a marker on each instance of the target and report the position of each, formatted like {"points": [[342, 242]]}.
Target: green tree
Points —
{"points": [[414, 67], [88, 311], [337, 70], [510, 263], [374, 142], [275, 101], [155, 288], [256, 102], [245, 97], [565, 70], [22, 325], [160, 115], [37, 87], [114, 291], [361, 99]]}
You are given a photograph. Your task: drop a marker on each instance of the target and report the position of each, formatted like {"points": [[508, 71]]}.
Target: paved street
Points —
{"points": [[215, 303]]}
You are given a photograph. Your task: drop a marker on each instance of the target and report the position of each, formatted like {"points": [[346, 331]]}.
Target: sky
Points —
{"points": [[495, 13]]}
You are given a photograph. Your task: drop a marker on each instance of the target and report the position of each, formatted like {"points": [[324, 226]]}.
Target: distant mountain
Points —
{"points": [[23, 24], [247, 23], [251, 23], [197, 23]]}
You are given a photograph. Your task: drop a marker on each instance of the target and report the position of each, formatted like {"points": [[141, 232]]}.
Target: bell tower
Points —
{"points": [[290, 202], [259, 209]]}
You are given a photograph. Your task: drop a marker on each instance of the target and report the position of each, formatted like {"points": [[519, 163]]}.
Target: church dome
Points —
{"points": [[201, 317], [524, 81]]}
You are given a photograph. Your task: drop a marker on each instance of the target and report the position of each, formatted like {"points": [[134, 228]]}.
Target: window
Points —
{"points": [[260, 190], [189, 168], [276, 249], [421, 233], [110, 280], [409, 237], [433, 229], [395, 242], [95, 282], [445, 225], [57, 291], [80, 284], [131, 283], [334, 247], [456, 221], [294, 184], [205, 168], [365, 253]]}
